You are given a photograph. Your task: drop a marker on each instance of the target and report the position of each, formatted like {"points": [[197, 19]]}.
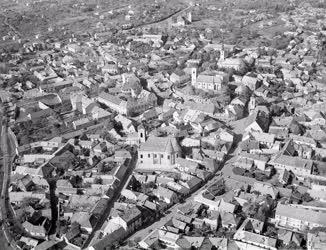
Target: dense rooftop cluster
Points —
{"points": [[161, 140]]}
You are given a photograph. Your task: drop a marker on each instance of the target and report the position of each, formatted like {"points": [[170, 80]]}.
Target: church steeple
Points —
{"points": [[142, 136], [222, 53], [252, 104]]}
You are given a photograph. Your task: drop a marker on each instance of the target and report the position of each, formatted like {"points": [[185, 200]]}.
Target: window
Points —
{"points": [[149, 155], [155, 155], [141, 156], [168, 157]]}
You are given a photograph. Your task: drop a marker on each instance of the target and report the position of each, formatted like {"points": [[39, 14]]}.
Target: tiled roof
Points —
{"points": [[160, 144], [110, 98], [291, 161], [302, 214], [255, 238]]}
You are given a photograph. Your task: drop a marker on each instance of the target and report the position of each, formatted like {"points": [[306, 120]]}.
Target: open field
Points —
{"points": [[241, 22], [27, 20]]}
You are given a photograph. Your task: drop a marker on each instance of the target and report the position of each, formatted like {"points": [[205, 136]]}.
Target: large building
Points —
{"points": [[298, 166], [299, 217], [208, 82], [113, 102], [232, 63], [130, 106], [158, 153]]}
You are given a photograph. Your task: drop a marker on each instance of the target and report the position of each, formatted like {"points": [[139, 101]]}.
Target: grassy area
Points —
{"points": [[59, 19]]}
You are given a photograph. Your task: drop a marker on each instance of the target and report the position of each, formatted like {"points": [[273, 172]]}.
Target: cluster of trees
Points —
{"points": [[38, 129], [140, 48], [280, 43], [258, 175], [259, 211], [266, 5]]}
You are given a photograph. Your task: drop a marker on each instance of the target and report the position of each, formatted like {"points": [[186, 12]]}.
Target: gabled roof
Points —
{"points": [[39, 230], [83, 219], [255, 239], [301, 213], [164, 192], [160, 144], [209, 79], [291, 161], [110, 98], [131, 215], [109, 240]]}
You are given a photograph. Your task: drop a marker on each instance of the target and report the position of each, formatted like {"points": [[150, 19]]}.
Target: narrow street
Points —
{"points": [[54, 207], [113, 199]]}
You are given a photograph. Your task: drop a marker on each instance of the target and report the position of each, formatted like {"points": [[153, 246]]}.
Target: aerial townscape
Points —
{"points": [[164, 124]]}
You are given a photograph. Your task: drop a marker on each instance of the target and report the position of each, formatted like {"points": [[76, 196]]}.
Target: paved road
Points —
{"points": [[7, 153], [163, 19], [4, 239], [115, 197]]}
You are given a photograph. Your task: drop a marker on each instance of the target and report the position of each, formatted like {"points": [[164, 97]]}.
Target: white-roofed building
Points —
{"points": [[299, 217]]}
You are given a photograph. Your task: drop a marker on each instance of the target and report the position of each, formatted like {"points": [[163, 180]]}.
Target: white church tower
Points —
{"points": [[222, 54], [193, 76], [142, 134], [189, 17], [252, 104]]}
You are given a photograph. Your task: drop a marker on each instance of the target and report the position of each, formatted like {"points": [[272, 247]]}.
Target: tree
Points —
{"points": [[280, 43], [86, 151], [306, 197], [131, 243], [296, 128], [98, 180], [3, 68], [292, 245], [238, 171], [250, 209], [135, 185], [76, 181], [271, 231], [260, 176]]}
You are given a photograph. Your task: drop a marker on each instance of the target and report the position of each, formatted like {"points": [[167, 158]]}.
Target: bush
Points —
{"points": [[238, 171], [249, 174], [280, 43], [306, 197], [260, 176]]}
